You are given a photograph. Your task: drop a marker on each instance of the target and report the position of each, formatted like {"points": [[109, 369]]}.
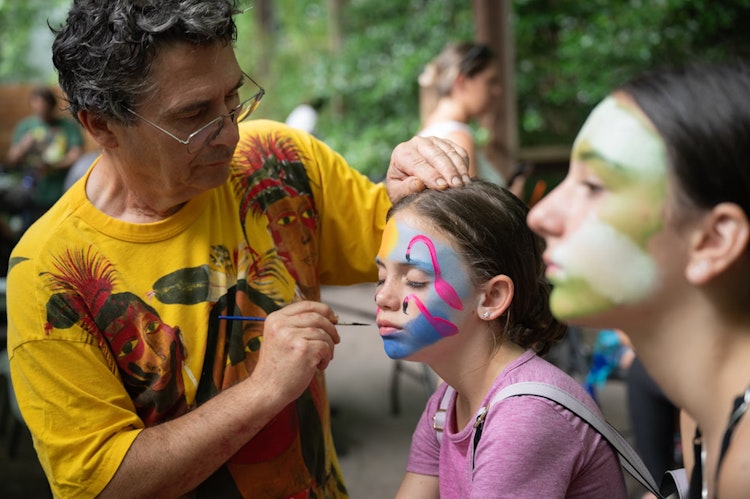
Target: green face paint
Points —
{"points": [[604, 261]]}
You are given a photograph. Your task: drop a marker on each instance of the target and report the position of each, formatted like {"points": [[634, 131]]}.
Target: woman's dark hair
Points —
{"points": [[461, 58], [488, 226], [702, 112], [104, 51]]}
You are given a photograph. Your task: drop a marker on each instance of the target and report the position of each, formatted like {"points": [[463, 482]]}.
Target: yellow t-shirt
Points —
{"points": [[113, 326]]}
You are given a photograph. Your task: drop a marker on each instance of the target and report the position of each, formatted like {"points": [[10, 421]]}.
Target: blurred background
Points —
{"points": [[560, 57]]}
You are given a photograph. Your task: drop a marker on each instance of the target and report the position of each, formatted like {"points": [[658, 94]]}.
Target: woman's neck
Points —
{"points": [[447, 109]]}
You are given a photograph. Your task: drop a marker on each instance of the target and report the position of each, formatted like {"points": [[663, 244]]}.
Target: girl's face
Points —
{"points": [[599, 221], [424, 289]]}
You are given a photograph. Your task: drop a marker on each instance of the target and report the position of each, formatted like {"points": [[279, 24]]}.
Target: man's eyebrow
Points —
{"points": [[200, 105]]}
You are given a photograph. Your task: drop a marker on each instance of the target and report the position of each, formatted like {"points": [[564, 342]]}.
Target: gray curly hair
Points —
{"points": [[105, 49]]}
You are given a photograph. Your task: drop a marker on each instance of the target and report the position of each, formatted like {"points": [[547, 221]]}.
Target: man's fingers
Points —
{"points": [[426, 162]]}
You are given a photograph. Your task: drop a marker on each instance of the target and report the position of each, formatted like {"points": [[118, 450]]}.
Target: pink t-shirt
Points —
{"points": [[530, 447]]}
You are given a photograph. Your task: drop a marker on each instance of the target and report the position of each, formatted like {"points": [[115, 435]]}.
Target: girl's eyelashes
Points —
{"points": [[415, 284]]}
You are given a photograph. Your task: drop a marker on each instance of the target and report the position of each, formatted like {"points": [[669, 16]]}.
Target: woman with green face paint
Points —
{"points": [[462, 289], [649, 233]]}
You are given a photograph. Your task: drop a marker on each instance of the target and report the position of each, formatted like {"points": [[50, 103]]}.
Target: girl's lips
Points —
{"points": [[387, 330]]}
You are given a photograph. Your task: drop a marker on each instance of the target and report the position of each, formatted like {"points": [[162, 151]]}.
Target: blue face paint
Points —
{"points": [[432, 305]]}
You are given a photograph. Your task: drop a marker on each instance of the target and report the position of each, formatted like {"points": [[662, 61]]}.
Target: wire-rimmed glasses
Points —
{"points": [[208, 132]]}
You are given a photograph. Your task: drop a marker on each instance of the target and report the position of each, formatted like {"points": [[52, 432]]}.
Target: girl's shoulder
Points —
{"points": [[531, 367]]}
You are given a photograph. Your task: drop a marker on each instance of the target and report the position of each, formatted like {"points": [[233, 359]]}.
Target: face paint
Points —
{"points": [[604, 261], [430, 279]]}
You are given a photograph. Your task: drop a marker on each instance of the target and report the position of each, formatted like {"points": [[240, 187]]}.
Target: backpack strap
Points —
{"points": [[438, 420], [629, 459]]}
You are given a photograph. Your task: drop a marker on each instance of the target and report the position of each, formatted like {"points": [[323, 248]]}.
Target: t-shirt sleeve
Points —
{"points": [[424, 454], [352, 212], [69, 396]]}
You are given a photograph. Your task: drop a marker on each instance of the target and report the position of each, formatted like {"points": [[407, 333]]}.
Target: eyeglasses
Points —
{"points": [[208, 132]]}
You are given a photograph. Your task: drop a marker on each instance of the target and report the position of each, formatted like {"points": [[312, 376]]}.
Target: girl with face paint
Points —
{"points": [[649, 233], [462, 289]]}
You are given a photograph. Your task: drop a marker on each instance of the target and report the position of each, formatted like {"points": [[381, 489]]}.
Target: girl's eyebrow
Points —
{"points": [[420, 264]]}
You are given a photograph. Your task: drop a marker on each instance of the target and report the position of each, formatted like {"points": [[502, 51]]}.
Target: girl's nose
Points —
{"points": [[385, 299]]}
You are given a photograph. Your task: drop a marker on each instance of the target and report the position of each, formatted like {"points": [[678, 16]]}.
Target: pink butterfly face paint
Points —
{"points": [[423, 287]]}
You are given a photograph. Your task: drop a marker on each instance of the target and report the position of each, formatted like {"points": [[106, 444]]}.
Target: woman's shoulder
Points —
{"points": [[443, 128], [734, 481]]}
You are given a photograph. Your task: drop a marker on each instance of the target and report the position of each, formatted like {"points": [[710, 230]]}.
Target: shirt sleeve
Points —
{"points": [[74, 404], [424, 454], [352, 212]]}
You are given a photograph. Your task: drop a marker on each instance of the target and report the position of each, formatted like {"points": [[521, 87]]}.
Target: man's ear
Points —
{"points": [[719, 241], [496, 297], [99, 128]]}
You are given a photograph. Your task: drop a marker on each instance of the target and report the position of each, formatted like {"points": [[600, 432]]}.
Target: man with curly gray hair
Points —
{"points": [[131, 367]]}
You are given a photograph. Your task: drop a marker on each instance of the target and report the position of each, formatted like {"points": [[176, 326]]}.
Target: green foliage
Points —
{"points": [[371, 82], [570, 54], [23, 31]]}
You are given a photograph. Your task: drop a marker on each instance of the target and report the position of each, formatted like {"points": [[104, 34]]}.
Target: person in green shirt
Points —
{"points": [[44, 146]]}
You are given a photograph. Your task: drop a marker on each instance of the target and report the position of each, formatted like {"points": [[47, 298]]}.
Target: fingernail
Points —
{"points": [[467, 179], [441, 182], [457, 181]]}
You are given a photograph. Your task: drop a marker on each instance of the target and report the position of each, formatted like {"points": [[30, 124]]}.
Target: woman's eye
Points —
{"points": [[593, 187]]}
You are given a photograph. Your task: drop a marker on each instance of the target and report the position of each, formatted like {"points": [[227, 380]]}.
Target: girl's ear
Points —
{"points": [[719, 241], [99, 128], [496, 297]]}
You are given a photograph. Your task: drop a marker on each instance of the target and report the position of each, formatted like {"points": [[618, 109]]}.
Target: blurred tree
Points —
{"points": [[25, 39]]}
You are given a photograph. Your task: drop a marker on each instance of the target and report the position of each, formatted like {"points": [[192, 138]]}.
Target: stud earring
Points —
{"points": [[700, 269], [486, 315]]}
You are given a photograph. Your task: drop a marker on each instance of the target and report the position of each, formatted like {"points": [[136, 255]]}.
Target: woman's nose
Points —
{"points": [[543, 216]]}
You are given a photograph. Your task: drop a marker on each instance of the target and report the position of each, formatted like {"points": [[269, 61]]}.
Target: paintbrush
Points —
{"points": [[261, 319]]}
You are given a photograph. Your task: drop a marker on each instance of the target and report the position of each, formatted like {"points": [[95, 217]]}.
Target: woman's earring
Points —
{"points": [[486, 315]]}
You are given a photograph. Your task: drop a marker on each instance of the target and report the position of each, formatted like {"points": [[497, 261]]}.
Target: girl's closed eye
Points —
{"points": [[417, 279], [415, 284]]}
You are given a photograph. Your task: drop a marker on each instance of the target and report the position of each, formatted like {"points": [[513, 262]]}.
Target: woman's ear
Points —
{"points": [[99, 128], [720, 240], [496, 297]]}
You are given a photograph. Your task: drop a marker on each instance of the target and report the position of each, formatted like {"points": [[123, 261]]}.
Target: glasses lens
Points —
{"points": [[249, 106], [199, 139]]}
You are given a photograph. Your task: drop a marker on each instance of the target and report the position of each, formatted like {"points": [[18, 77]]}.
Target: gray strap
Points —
{"points": [[629, 459], [438, 420]]}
